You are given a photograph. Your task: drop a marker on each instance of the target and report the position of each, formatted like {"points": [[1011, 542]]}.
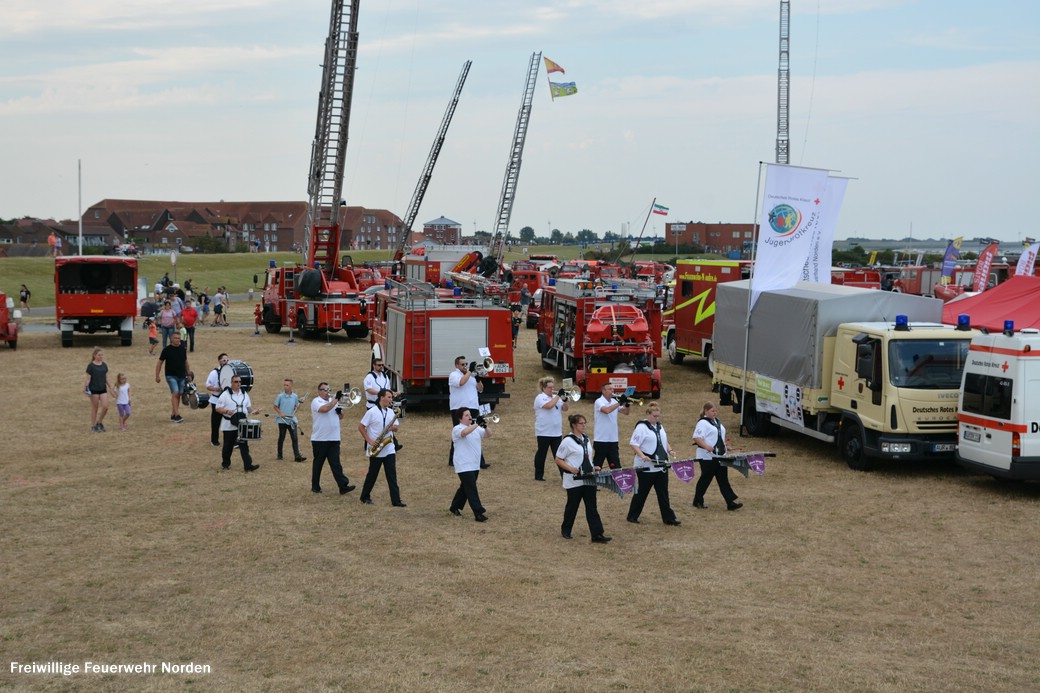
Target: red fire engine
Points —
{"points": [[597, 333], [863, 277], [419, 330], [918, 280], [693, 316], [322, 294], [95, 293]]}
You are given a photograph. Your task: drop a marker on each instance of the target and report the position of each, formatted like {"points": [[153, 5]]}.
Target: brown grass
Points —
{"points": [[130, 547]]}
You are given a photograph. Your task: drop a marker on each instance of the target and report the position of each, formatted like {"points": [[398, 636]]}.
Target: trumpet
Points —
{"points": [[483, 421], [351, 398], [485, 368], [573, 394], [625, 401]]}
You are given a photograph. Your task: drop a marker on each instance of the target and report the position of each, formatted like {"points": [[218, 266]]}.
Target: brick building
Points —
{"points": [[716, 238], [443, 231]]}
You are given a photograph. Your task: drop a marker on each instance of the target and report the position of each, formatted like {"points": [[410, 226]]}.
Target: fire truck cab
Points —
{"points": [[419, 330], [692, 315], [597, 333]]}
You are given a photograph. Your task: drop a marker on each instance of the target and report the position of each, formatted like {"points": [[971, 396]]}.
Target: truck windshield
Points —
{"points": [[927, 364]]}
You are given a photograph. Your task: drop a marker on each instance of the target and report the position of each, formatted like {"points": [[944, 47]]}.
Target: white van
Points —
{"points": [[999, 412]]}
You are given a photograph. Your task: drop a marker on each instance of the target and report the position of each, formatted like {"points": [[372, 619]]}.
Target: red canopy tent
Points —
{"points": [[1016, 299]]}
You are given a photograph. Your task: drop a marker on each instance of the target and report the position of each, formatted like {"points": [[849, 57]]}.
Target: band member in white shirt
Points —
{"points": [[710, 438], [378, 424], [234, 405], [325, 439], [573, 457], [464, 388], [376, 380], [605, 432], [468, 438], [548, 423], [650, 442]]}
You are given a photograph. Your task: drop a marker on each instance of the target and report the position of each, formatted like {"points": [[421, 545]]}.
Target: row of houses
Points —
{"points": [[158, 226]]}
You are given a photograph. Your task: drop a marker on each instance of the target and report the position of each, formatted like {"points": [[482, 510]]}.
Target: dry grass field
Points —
{"points": [[122, 548]]}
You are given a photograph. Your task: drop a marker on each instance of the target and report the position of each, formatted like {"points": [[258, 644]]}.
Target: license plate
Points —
{"points": [[973, 436], [353, 322], [944, 447], [502, 368]]}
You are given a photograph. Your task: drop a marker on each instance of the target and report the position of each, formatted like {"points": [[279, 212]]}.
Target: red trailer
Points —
{"points": [[9, 317], [597, 333], [95, 293]]}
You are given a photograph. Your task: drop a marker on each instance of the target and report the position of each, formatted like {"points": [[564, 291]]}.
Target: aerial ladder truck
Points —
{"points": [[322, 294]]}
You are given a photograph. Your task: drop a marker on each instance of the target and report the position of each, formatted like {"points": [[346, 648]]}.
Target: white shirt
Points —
{"points": [[467, 447], [709, 434], [375, 381], [462, 394], [547, 422], [324, 424], [605, 424], [571, 453], [213, 380], [645, 440], [238, 402], [123, 393], [374, 421]]}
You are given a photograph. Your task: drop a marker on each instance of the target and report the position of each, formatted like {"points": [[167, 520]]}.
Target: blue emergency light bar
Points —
{"points": [[902, 323], [963, 322], [1009, 328]]}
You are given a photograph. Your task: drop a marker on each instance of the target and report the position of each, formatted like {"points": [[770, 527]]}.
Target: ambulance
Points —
{"points": [[999, 411]]}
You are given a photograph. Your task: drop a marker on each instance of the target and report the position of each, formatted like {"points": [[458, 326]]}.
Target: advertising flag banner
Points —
{"points": [[684, 470], [817, 266], [791, 212], [1027, 261], [982, 266], [953, 251]]}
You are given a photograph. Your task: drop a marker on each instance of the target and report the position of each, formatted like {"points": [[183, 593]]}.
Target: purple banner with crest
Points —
{"points": [[625, 480], [684, 470]]}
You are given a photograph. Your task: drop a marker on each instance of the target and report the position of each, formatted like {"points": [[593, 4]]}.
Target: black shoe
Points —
{"points": [[601, 539], [253, 468], [673, 523], [633, 520], [101, 428], [175, 419], [399, 504], [699, 504], [300, 458], [455, 512], [481, 518], [225, 467], [483, 466], [347, 489], [279, 458], [539, 478], [315, 490], [565, 534], [366, 501], [734, 506], [216, 445]]}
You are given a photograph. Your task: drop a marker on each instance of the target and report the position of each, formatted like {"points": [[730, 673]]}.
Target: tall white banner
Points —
{"points": [[1026, 261], [818, 265], [791, 211]]}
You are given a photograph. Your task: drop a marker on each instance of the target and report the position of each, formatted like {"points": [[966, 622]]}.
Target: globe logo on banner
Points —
{"points": [[784, 220]]}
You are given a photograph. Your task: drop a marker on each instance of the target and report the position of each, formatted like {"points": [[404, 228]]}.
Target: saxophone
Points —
{"points": [[386, 436]]}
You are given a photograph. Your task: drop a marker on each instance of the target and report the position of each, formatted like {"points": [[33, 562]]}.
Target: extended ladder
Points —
{"points": [[505, 204]]}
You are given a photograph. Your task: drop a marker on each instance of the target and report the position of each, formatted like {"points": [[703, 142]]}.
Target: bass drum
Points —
{"points": [[239, 368], [198, 400]]}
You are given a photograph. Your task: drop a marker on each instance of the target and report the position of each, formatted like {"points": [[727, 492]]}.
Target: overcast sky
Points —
{"points": [[932, 106]]}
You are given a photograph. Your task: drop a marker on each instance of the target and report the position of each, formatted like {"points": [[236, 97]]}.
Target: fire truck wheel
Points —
{"points": [[126, 338], [301, 324], [357, 332], [273, 327], [757, 423], [673, 354], [13, 343], [66, 339]]}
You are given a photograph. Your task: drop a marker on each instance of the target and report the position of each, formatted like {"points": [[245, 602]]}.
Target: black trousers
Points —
{"points": [[389, 464], [326, 450], [605, 451], [230, 438], [712, 469], [659, 482], [214, 420], [191, 338], [455, 421], [291, 430], [545, 444], [468, 492], [575, 496]]}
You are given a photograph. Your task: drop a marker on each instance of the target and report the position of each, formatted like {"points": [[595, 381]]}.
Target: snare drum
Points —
{"points": [[239, 368], [249, 429], [198, 400]]}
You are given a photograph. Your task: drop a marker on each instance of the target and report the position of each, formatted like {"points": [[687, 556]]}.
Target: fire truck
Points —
{"points": [[420, 329], [322, 293], [692, 316], [9, 317], [918, 280], [597, 333], [95, 293], [862, 277]]}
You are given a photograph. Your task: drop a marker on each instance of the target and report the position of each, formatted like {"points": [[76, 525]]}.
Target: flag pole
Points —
{"points": [[645, 221], [747, 318]]}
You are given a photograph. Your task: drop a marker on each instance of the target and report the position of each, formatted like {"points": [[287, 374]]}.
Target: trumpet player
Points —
{"points": [[605, 435], [380, 423], [464, 388], [548, 423], [375, 380], [467, 436], [325, 439]]}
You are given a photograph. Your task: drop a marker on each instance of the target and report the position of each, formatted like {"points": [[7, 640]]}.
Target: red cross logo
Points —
{"points": [[841, 383], [1004, 367]]}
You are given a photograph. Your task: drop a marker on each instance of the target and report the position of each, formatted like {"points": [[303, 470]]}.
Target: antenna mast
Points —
{"points": [[783, 83]]}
